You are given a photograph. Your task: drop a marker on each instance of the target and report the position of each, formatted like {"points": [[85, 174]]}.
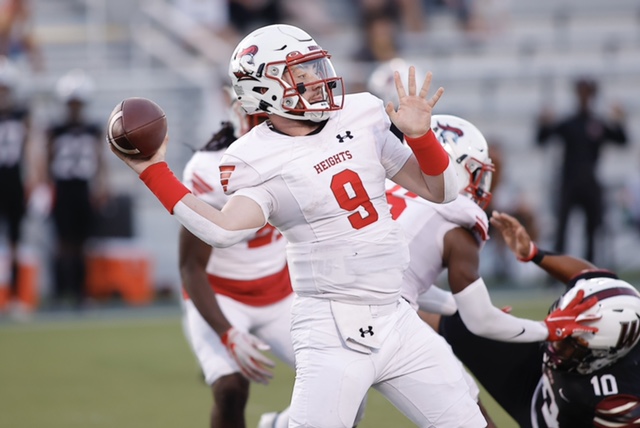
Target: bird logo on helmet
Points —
{"points": [[469, 151], [617, 317], [273, 68]]}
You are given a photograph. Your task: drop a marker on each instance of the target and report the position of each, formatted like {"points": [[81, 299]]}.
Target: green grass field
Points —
{"points": [[125, 370]]}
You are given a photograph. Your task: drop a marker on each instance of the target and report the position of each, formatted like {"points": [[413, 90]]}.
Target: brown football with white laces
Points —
{"points": [[137, 127]]}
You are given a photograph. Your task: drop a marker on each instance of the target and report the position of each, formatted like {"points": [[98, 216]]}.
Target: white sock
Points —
{"points": [[282, 420]]}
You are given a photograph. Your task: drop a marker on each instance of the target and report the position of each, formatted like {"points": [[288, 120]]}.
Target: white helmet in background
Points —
{"points": [[8, 73], [618, 327], [382, 82], [76, 85], [264, 63], [468, 148], [241, 121]]}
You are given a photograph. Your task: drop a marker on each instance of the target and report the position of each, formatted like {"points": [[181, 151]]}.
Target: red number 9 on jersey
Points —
{"points": [[350, 193]]}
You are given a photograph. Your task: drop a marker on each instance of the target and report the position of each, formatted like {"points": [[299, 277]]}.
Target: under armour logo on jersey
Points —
{"points": [[342, 137], [369, 330]]}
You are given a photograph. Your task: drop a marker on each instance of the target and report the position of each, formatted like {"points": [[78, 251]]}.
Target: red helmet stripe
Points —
{"points": [[612, 292]]}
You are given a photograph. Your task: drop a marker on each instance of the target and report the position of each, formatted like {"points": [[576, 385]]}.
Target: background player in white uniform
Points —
{"points": [[243, 291], [317, 173], [450, 236]]}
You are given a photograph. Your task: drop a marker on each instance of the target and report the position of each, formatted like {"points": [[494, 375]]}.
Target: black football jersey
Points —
{"points": [[609, 397], [74, 151], [13, 135]]}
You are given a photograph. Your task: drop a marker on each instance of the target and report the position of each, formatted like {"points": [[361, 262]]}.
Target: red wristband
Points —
{"points": [[225, 337], [162, 183], [431, 156], [533, 251]]}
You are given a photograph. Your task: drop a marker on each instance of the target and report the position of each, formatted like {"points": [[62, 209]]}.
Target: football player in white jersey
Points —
{"points": [[316, 171], [450, 236], [243, 291]]}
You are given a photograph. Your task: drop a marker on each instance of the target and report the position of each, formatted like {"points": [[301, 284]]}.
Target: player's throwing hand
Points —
{"points": [[413, 117]]}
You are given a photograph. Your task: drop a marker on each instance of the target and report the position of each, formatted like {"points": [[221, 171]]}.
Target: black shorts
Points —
{"points": [[508, 371], [72, 211], [12, 202]]}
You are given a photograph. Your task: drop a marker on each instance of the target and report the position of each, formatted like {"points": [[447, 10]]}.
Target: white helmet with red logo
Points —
{"points": [[618, 326], [265, 64], [468, 148]]}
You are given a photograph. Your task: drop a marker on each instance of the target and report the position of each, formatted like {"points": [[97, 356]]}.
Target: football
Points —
{"points": [[137, 127]]}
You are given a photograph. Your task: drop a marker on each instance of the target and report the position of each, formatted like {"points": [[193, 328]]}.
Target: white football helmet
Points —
{"points": [[241, 122], [382, 82], [265, 65], [468, 148], [76, 85], [8, 73], [618, 327]]}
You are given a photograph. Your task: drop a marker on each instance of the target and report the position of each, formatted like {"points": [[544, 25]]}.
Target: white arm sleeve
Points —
{"points": [[484, 319], [450, 182], [437, 301], [208, 231]]}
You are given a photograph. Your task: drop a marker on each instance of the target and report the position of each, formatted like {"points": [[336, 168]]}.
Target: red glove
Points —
{"points": [[246, 350], [562, 323]]}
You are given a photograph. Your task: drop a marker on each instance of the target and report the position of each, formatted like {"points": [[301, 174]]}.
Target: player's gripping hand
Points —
{"points": [[246, 350], [562, 323]]}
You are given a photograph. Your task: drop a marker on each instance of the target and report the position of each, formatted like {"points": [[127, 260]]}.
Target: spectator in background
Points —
{"points": [[77, 174], [631, 199], [582, 134], [380, 28], [17, 33], [15, 156], [410, 13], [247, 15], [311, 14]]}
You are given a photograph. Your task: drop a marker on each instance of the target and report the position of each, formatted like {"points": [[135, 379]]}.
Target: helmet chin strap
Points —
{"points": [[312, 115], [317, 116]]}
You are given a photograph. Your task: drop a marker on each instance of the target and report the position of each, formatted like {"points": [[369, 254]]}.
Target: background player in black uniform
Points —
{"points": [[14, 153], [590, 380], [77, 174]]}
